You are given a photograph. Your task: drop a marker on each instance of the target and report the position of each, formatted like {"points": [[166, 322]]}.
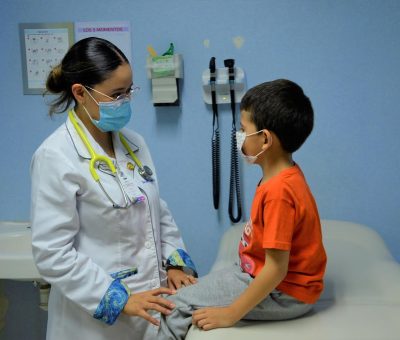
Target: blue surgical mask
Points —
{"points": [[114, 115]]}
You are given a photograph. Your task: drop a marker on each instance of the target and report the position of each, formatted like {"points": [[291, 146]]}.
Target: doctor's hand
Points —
{"points": [[177, 278], [139, 304]]}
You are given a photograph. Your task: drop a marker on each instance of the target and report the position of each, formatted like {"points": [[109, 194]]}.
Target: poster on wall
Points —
{"points": [[43, 45], [118, 32]]}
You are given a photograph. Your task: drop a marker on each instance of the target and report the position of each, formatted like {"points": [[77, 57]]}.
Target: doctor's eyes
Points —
{"points": [[127, 94]]}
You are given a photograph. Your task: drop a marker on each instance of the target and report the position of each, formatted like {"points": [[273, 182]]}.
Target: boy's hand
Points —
{"points": [[178, 278], [214, 317]]}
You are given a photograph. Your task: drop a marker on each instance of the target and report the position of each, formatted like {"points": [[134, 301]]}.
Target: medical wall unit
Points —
{"points": [[164, 71], [224, 86]]}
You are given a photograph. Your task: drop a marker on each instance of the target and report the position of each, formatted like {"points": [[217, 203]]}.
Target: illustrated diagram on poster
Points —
{"points": [[42, 47], [118, 32]]}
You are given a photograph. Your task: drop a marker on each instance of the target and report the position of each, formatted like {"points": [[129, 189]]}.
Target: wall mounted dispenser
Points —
{"points": [[165, 72]]}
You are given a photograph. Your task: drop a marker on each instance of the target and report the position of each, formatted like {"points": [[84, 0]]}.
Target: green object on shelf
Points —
{"points": [[170, 50]]}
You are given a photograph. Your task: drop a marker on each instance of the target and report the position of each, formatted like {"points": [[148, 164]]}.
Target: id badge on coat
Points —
{"points": [[129, 185]]}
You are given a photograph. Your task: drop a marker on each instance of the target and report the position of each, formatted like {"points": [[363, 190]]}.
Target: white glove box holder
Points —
{"points": [[165, 89]]}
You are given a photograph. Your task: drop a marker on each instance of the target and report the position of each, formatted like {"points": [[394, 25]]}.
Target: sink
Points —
{"points": [[16, 261]]}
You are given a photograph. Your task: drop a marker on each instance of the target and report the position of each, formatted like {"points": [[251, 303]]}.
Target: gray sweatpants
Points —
{"points": [[220, 288]]}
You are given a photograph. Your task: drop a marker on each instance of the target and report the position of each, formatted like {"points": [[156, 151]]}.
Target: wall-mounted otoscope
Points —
{"points": [[223, 86]]}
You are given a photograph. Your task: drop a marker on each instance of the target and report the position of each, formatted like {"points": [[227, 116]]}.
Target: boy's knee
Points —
{"points": [[183, 297]]}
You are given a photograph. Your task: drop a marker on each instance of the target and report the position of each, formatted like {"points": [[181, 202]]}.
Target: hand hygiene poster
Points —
{"points": [[118, 32], [43, 48]]}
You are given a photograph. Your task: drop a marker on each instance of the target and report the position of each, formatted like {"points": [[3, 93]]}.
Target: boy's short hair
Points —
{"points": [[281, 107]]}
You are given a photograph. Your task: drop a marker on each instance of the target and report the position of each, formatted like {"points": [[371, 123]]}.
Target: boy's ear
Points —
{"points": [[267, 139]]}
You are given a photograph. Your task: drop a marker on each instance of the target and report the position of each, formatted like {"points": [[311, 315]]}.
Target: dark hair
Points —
{"points": [[281, 107], [89, 62]]}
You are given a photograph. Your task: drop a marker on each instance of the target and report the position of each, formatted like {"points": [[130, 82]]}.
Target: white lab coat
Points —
{"points": [[79, 239]]}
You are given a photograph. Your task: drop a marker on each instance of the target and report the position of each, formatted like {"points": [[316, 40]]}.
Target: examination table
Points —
{"points": [[361, 299]]}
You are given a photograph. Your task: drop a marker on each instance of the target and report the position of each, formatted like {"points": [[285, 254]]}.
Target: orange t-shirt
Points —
{"points": [[284, 216]]}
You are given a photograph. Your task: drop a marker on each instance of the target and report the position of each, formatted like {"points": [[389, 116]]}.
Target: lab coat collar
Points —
{"points": [[76, 140], [83, 151]]}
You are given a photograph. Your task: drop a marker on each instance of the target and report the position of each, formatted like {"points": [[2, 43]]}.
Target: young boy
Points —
{"points": [[282, 258]]}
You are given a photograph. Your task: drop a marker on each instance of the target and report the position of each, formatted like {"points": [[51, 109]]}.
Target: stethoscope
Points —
{"points": [[95, 158]]}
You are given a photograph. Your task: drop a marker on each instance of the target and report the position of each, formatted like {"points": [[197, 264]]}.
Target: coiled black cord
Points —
{"points": [[215, 141], [215, 149], [234, 183]]}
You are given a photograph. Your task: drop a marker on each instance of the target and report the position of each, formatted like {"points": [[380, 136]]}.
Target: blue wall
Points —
{"points": [[345, 54]]}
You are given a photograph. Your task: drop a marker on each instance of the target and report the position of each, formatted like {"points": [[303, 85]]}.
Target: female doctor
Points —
{"points": [[101, 235]]}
